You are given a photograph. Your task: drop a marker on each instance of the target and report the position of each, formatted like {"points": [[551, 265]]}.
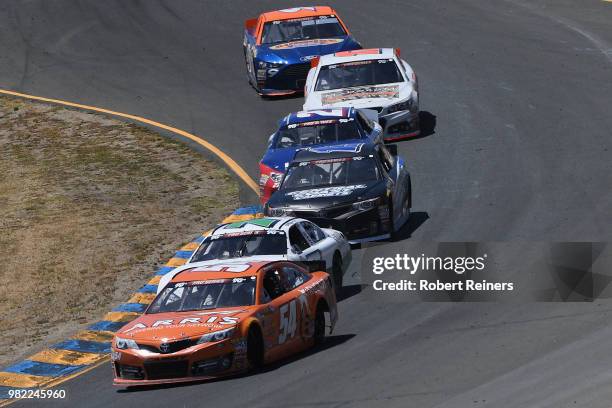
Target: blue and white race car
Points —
{"points": [[339, 128], [278, 46]]}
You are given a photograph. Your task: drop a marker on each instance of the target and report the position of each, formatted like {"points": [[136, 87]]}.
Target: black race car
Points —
{"points": [[362, 190]]}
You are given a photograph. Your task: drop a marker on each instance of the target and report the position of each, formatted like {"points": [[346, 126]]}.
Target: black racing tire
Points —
{"points": [[392, 232], [337, 272], [255, 349], [409, 194], [319, 326]]}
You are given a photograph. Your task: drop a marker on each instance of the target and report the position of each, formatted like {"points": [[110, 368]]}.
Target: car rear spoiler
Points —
{"points": [[250, 24], [370, 114], [314, 266]]}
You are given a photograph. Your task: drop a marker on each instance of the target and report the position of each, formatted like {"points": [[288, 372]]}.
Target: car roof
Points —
{"points": [[318, 114], [255, 224], [357, 55], [220, 270], [334, 152], [297, 12]]}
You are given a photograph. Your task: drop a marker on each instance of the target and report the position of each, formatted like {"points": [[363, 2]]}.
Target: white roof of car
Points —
{"points": [[357, 55]]}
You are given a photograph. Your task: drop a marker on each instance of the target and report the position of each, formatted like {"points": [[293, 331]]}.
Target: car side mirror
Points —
{"points": [[392, 149]]}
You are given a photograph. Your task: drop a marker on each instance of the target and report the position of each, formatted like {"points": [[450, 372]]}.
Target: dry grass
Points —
{"points": [[89, 206]]}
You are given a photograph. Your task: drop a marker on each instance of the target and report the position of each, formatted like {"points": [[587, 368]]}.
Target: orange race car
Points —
{"points": [[227, 318]]}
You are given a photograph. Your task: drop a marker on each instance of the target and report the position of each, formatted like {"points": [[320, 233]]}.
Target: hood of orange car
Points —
{"points": [[172, 326]]}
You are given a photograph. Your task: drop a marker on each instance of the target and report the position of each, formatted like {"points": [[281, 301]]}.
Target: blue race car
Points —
{"points": [[337, 129], [279, 45]]}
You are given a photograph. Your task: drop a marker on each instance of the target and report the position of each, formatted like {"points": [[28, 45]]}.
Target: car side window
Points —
{"points": [[273, 285], [297, 240], [313, 231], [294, 277]]}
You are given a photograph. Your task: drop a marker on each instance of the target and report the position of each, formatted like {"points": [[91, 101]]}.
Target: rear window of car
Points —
{"points": [[358, 73]]}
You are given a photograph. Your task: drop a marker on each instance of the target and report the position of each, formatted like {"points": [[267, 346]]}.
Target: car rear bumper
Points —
{"points": [[289, 80], [357, 226], [400, 125]]}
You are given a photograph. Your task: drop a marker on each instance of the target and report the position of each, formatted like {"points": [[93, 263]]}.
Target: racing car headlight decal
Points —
{"points": [[268, 65], [281, 212], [366, 204], [402, 106], [216, 336], [124, 344]]}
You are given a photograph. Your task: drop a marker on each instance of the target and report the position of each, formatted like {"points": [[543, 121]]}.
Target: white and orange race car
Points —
{"points": [[216, 320]]}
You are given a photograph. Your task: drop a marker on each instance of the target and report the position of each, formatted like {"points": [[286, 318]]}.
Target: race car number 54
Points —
{"points": [[288, 324], [36, 393]]}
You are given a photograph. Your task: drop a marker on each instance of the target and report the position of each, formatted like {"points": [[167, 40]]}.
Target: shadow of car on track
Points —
{"points": [[427, 124], [330, 342], [348, 291], [416, 219], [427, 121]]}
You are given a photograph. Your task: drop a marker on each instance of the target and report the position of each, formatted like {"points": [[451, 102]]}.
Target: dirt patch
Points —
{"points": [[89, 207]]}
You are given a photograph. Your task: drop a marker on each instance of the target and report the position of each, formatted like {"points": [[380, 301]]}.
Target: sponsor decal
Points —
{"points": [[306, 43], [336, 191], [308, 58], [360, 92], [246, 233], [213, 318], [350, 148]]}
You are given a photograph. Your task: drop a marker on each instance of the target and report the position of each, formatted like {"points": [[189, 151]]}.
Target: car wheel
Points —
{"points": [[255, 351], [319, 327], [392, 232], [337, 272]]}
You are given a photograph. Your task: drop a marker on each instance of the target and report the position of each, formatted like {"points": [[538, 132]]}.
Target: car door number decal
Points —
{"points": [[288, 321]]}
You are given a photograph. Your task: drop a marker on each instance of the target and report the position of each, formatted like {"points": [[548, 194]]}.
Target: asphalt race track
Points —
{"points": [[517, 96]]}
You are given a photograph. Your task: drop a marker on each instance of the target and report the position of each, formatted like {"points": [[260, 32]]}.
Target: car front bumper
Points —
{"points": [[197, 363]]}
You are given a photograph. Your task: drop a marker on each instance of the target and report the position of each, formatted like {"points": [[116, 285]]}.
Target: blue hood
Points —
{"points": [[295, 52]]}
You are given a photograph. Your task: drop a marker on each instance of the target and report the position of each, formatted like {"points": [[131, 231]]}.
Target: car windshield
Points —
{"points": [[301, 29], [358, 73], [203, 295], [344, 171], [319, 132], [240, 245]]}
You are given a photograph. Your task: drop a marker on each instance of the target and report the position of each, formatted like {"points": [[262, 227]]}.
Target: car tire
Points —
{"points": [[319, 326], [255, 350], [337, 272], [392, 232]]}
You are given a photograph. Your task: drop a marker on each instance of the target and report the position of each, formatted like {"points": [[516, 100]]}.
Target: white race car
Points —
{"points": [[375, 78], [271, 239]]}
